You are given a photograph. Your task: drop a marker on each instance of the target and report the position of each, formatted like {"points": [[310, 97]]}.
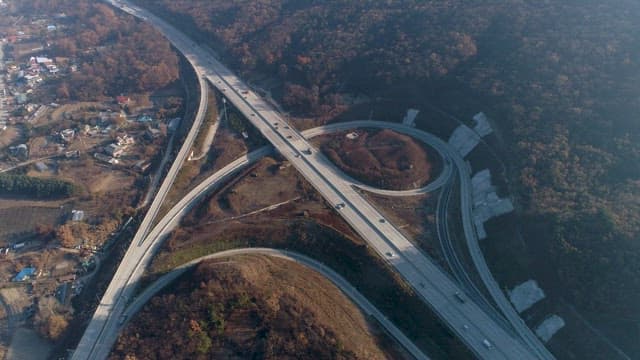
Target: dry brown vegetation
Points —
{"points": [[383, 158], [225, 220], [250, 307], [414, 217]]}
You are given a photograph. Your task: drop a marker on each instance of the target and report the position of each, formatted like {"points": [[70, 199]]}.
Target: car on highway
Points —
{"points": [[389, 254], [459, 296], [339, 206], [487, 344]]}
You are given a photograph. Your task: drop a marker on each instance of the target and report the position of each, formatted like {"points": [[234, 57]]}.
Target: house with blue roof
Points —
{"points": [[25, 274]]}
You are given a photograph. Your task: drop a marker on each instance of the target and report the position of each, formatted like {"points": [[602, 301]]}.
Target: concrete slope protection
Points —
{"points": [[476, 329], [341, 283]]}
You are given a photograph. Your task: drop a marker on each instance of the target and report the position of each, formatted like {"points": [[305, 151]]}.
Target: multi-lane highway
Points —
{"points": [[474, 327], [348, 289], [450, 155], [116, 295]]}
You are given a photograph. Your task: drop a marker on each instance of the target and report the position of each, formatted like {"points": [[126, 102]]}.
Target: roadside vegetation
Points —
{"points": [[39, 188], [251, 307], [303, 223]]}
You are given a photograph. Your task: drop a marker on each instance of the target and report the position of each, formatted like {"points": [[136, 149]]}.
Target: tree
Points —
{"points": [[55, 325], [64, 234], [63, 91]]}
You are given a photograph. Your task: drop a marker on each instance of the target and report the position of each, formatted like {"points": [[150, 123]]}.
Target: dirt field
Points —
{"points": [[381, 158], [9, 136], [19, 220], [267, 184], [16, 299], [268, 308], [57, 114]]}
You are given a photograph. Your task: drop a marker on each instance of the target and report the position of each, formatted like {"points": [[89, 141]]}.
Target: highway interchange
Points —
{"points": [[484, 337]]}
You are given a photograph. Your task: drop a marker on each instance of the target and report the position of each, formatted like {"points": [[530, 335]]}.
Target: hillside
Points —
{"points": [[250, 307], [560, 80]]}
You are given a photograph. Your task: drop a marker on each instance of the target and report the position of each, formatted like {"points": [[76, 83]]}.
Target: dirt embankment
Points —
{"points": [[250, 307], [384, 158]]}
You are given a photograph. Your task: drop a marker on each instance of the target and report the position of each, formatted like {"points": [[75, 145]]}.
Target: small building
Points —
{"points": [[67, 135], [41, 60], [144, 118], [72, 154], [42, 167], [77, 215], [152, 133], [123, 100], [142, 166], [125, 140], [114, 150], [24, 274], [21, 151]]}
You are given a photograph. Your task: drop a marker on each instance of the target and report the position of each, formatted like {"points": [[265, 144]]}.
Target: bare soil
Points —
{"points": [[9, 136], [252, 307], [381, 158], [414, 217], [19, 221]]}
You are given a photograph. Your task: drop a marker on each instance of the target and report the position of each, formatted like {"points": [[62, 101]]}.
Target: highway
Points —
{"points": [[466, 197], [155, 180], [116, 295], [458, 269], [474, 327], [344, 286]]}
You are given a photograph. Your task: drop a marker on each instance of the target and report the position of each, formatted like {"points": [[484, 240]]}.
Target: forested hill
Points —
{"points": [[561, 79]]}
